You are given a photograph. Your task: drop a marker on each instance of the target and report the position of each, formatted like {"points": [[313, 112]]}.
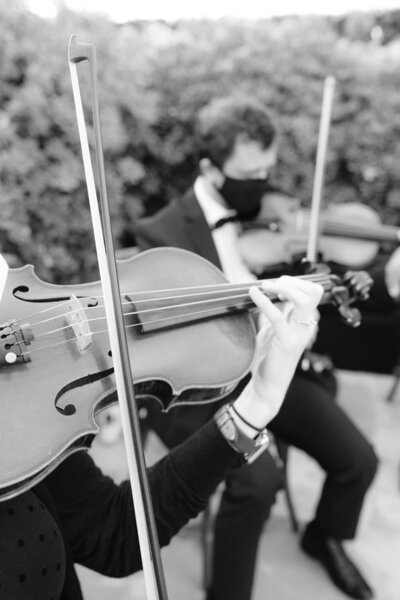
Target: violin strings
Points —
{"points": [[245, 304], [220, 299], [227, 287], [151, 310], [379, 229], [41, 312], [357, 230], [216, 289], [134, 301], [157, 309], [350, 229]]}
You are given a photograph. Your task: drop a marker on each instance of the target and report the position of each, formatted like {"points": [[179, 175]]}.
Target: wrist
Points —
{"points": [[258, 409], [246, 426], [243, 438]]}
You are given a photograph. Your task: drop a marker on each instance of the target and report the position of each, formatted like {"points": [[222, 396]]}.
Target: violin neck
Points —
{"points": [[272, 224], [371, 233], [180, 306], [335, 228], [231, 290]]}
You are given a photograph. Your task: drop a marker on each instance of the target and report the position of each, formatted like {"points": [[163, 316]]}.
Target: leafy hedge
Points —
{"points": [[153, 77]]}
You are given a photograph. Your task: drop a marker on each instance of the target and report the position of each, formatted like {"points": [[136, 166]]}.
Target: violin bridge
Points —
{"points": [[76, 318]]}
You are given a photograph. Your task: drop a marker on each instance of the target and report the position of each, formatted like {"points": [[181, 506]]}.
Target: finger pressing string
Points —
{"points": [[307, 294], [272, 313], [309, 287]]}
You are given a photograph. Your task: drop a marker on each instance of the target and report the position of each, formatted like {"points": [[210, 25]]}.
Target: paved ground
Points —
{"points": [[284, 572]]}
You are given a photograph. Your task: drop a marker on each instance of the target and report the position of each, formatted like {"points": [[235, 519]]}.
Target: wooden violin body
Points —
{"points": [[56, 368], [351, 234]]}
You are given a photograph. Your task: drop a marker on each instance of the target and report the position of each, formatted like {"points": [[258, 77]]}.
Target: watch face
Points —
{"points": [[262, 439], [248, 448], [229, 430]]}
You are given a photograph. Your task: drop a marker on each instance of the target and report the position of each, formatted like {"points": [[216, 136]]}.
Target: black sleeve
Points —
{"points": [[98, 515]]}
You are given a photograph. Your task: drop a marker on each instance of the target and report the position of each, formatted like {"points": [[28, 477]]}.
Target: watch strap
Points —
{"points": [[249, 448]]}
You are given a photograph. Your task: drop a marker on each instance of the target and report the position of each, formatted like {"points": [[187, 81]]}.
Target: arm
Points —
{"points": [[98, 515], [227, 245]]}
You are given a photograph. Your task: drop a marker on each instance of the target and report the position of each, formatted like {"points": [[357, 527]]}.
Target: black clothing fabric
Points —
{"points": [[93, 518], [309, 419], [331, 554], [32, 544], [374, 346], [181, 224]]}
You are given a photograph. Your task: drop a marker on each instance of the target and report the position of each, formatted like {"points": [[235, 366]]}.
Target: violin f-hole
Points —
{"points": [[70, 409], [23, 289]]}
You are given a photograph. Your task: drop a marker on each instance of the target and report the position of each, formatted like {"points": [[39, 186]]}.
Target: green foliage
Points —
{"points": [[153, 77]]}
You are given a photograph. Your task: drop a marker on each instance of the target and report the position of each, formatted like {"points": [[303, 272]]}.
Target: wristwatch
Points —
{"points": [[249, 448]]}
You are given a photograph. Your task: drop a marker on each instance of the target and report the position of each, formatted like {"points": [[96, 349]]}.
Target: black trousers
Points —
{"points": [[374, 346], [311, 420]]}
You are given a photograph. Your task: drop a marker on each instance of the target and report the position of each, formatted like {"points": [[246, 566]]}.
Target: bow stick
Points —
{"points": [[148, 539], [326, 111]]}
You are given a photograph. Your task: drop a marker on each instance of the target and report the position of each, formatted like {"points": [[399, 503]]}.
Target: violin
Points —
{"points": [[351, 234], [181, 317]]}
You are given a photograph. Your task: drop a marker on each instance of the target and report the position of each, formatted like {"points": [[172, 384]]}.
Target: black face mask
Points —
{"points": [[244, 195]]}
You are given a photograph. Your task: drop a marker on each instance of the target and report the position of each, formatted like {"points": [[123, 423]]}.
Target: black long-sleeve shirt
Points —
{"points": [[86, 518]]}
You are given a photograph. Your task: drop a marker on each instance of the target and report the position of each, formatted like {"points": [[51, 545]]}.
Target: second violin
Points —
{"points": [[351, 234]]}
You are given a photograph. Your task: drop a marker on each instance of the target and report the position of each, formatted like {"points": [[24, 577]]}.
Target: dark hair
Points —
{"points": [[221, 122]]}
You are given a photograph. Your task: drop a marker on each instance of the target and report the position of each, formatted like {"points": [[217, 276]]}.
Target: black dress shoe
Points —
{"points": [[341, 569]]}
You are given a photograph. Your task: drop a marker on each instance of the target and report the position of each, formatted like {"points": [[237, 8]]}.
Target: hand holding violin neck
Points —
{"points": [[279, 346], [341, 293]]}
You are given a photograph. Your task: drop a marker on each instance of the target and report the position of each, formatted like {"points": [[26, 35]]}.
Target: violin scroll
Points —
{"points": [[342, 292], [355, 285], [359, 283]]}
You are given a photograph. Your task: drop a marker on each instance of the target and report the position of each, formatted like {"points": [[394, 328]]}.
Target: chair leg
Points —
{"points": [[395, 385], [283, 453], [207, 537], [292, 512]]}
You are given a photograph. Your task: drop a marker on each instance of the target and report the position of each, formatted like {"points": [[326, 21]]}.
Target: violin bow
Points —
{"points": [[147, 532], [314, 227], [3, 274]]}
